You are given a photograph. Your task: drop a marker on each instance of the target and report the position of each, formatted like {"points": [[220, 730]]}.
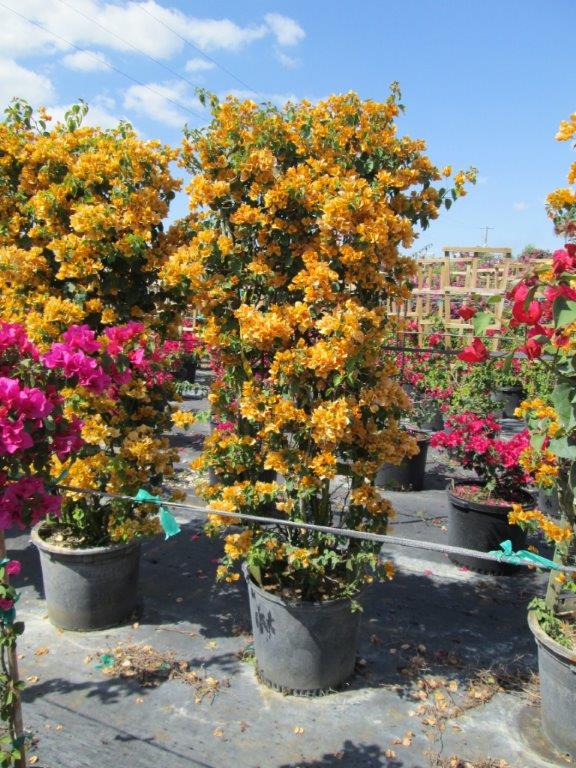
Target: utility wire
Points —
{"points": [[99, 60], [131, 45], [199, 50]]}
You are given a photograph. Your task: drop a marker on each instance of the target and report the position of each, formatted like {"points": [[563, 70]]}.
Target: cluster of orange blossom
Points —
{"points": [[298, 216]]}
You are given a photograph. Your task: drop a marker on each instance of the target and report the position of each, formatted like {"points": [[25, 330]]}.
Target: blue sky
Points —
{"points": [[485, 82]]}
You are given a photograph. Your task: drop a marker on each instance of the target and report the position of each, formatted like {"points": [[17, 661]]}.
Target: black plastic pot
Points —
{"points": [[89, 589], [508, 399], [409, 474], [302, 648], [557, 668], [187, 371], [479, 526]]}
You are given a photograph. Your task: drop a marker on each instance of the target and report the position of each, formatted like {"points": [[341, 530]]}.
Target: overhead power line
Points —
{"points": [[127, 42], [199, 50], [99, 60]]}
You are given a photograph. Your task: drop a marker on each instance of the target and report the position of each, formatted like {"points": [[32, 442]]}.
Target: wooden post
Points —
{"points": [[13, 671]]}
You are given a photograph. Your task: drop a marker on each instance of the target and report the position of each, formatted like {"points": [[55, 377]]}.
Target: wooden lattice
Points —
{"points": [[462, 276]]}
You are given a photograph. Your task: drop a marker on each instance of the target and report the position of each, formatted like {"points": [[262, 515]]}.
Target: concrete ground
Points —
{"points": [[446, 667]]}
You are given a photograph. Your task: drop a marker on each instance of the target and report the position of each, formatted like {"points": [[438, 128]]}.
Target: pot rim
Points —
{"points": [[541, 637], [480, 506], [301, 604], [39, 542]]}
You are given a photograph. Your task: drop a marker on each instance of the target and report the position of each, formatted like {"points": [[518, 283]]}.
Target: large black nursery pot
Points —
{"points": [[409, 474], [89, 589], [557, 670], [302, 648], [482, 526], [507, 399], [187, 371]]}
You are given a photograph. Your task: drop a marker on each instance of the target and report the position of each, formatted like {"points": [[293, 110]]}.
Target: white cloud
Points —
{"points": [[86, 61], [287, 61], [16, 80], [155, 102], [146, 25], [521, 206], [211, 34], [285, 30], [198, 65]]}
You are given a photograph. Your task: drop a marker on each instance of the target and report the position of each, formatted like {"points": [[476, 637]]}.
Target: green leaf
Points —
{"points": [[481, 321], [562, 448], [537, 441], [563, 399], [564, 311]]}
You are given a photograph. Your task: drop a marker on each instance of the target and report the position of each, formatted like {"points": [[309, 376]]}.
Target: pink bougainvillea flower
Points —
{"points": [[476, 352], [9, 391], [5, 604], [14, 335], [14, 437], [33, 403], [13, 568], [80, 338]]}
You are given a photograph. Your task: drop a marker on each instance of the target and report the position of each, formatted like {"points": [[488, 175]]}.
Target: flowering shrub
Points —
{"points": [[544, 309], [82, 244], [34, 430], [116, 385], [81, 238], [299, 214], [429, 375], [474, 443]]}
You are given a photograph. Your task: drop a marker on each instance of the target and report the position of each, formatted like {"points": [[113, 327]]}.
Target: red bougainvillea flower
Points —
{"points": [[527, 315], [475, 353], [532, 349], [466, 312], [564, 259]]}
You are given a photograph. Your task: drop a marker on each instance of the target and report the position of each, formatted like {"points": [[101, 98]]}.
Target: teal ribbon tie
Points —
{"points": [[522, 556], [167, 519]]}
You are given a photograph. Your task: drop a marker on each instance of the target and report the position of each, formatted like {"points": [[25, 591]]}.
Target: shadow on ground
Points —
{"points": [[352, 756]]}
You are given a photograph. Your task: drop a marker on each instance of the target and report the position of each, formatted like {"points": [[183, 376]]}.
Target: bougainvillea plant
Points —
{"points": [[543, 306], [299, 215], [33, 431], [82, 243], [474, 442], [81, 233], [116, 384]]}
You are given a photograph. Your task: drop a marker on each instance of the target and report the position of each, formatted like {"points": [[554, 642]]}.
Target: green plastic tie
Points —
{"points": [[167, 519], [515, 558], [107, 660]]}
